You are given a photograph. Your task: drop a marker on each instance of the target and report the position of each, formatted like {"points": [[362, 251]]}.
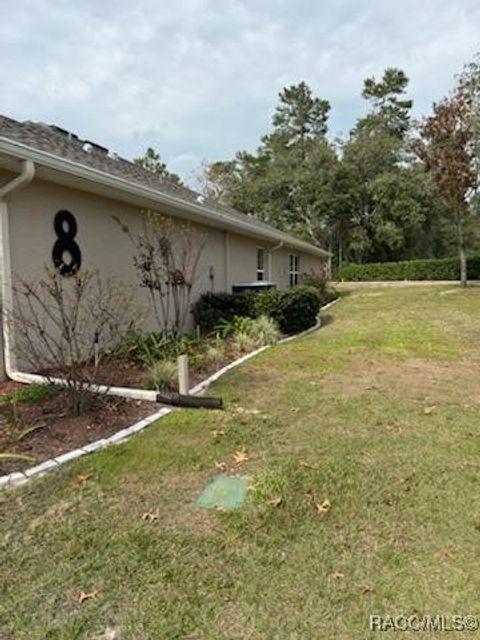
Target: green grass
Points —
{"points": [[349, 403], [29, 395]]}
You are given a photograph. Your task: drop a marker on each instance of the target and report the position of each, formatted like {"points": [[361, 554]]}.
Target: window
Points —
{"points": [[260, 264], [294, 269]]}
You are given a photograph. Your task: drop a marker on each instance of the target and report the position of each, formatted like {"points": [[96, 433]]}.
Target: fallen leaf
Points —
{"points": [[429, 410], [87, 595], [221, 466], [218, 432], [240, 456], [81, 478], [366, 589], [276, 502], [324, 507], [111, 633], [250, 412], [338, 575], [150, 516], [308, 465], [394, 427], [407, 478]]}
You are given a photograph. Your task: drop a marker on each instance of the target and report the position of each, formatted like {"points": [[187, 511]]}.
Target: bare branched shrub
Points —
{"points": [[64, 326], [167, 255]]}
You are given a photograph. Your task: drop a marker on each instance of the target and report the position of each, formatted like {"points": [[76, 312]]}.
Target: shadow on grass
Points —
{"points": [[326, 320]]}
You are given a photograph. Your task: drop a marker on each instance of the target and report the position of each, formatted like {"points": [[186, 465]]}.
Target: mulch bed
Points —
{"points": [[61, 432], [119, 372], [8, 386]]}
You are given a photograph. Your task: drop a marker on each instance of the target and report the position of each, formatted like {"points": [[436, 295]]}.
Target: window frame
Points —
{"points": [[261, 270], [294, 269]]}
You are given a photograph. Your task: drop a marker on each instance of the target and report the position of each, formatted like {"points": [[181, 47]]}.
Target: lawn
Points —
{"points": [[376, 415]]}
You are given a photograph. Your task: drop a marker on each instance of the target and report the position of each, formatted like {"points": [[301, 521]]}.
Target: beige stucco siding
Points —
{"points": [[102, 243], [229, 257], [104, 246], [277, 261], [281, 265], [244, 258]]}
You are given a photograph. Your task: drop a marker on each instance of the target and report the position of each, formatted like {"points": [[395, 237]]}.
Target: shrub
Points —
{"points": [[321, 282], [262, 330], [435, 269], [293, 310], [213, 309], [163, 375], [167, 255], [144, 348], [243, 341], [62, 324], [152, 347], [214, 352]]}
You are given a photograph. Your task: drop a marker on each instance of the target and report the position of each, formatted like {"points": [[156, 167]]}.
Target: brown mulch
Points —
{"points": [[7, 386], [119, 372], [60, 431]]}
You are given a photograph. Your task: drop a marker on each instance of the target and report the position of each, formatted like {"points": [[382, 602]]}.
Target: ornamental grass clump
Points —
{"points": [[163, 376]]}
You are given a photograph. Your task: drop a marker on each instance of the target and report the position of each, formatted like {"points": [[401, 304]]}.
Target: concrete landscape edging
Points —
{"points": [[201, 386], [21, 477]]}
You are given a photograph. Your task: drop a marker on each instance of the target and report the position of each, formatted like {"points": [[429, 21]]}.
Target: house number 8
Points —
{"points": [[66, 254]]}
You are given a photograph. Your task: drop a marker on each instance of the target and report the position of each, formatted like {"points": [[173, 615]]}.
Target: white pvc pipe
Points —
{"points": [[25, 177], [123, 392]]}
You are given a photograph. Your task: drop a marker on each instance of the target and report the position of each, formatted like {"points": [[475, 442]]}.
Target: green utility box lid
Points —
{"points": [[225, 493]]}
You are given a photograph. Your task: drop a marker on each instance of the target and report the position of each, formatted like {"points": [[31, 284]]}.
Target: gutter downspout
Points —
{"points": [[25, 177], [22, 180]]}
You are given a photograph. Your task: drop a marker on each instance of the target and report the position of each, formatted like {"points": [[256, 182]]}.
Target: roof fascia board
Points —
{"points": [[201, 212]]}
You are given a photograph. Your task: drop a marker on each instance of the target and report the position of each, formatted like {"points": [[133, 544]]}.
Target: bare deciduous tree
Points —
{"points": [[64, 326], [167, 255]]}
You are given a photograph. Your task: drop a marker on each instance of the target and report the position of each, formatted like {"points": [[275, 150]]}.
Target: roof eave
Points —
{"points": [[200, 211]]}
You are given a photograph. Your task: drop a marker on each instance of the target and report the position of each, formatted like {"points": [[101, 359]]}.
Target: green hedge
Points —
{"points": [[213, 309], [293, 309], [436, 269]]}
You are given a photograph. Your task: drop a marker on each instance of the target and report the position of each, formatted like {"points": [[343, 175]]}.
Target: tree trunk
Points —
{"points": [[461, 251]]}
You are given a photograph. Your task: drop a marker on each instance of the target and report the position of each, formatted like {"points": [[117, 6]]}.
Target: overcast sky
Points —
{"points": [[198, 79]]}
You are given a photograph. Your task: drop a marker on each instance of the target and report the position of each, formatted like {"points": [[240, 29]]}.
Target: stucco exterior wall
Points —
{"points": [[228, 257], [281, 265], [106, 247], [102, 243]]}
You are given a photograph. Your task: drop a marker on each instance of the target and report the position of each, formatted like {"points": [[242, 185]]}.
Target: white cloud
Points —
{"points": [[199, 79]]}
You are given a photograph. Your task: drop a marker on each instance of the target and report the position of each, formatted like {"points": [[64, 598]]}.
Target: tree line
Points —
{"points": [[393, 188]]}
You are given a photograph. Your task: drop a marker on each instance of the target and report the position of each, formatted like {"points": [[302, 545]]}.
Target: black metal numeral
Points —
{"points": [[66, 254]]}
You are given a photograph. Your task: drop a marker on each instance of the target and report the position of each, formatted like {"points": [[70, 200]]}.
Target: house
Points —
{"points": [[51, 180]]}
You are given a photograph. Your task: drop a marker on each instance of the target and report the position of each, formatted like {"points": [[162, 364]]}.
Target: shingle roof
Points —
{"points": [[61, 143]]}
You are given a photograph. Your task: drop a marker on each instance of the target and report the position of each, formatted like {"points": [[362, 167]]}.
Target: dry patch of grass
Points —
{"points": [[415, 378]]}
